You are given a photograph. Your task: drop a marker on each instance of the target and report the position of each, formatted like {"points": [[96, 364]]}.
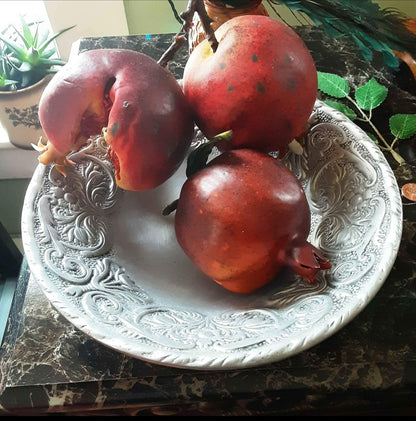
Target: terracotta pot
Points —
{"points": [[220, 13], [19, 114]]}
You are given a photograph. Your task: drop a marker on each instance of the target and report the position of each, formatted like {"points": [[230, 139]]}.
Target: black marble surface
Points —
{"points": [[368, 368]]}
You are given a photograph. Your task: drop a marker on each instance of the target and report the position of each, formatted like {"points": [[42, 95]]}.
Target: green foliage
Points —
{"points": [[198, 158], [4, 82], [366, 98], [333, 85], [370, 95], [349, 112], [28, 55], [403, 126], [371, 27]]}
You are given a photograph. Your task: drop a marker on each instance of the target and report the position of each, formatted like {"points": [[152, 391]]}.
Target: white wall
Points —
{"points": [[123, 17], [91, 17], [406, 6], [155, 16]]}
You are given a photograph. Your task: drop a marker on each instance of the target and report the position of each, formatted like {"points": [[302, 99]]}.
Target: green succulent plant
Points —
{"points": [[28, 55]]}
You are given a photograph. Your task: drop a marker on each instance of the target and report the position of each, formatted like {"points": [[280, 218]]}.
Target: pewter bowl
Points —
{"points": [[109, 262]]}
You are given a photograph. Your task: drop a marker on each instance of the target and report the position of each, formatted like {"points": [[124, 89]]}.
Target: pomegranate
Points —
{"points": [[138, 103], [261, 83], [244, 217]]}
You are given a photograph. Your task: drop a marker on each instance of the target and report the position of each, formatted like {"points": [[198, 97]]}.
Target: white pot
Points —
{"points": [[19, 114]]}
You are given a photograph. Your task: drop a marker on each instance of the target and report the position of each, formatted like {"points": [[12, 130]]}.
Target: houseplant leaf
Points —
{"points": [[14, 47], [372, 137], [43, 34], [52, 38], [349, 112], [51, 62], [370, 95], [26, 37], [403, 126], [26, 56], [6, 82], [333, 85]]}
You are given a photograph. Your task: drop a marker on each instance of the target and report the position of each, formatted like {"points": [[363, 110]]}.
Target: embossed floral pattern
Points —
{"points": [[356, 220]]}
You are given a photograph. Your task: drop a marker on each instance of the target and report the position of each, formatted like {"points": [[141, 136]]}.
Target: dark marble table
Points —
{"points": [[48, 366]]}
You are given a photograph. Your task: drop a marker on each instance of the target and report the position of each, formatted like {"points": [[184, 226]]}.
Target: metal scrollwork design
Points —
{"points": [[355, 213]]}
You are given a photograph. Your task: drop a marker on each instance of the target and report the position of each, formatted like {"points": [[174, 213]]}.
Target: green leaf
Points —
{"points": [[19, 51], [27, 37], [42, 48], [14, 63], [198, 158], [370, 95], [35, 37], [349, 112], [43, 34], [5, 82], [25, 67], [20, 57], [49, 53], [372, 137], [51, 61], [21, 36], [403, 126], [333, 85]]}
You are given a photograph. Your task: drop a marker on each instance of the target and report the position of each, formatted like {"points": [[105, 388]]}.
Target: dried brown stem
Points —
{"points": [[188, 15], [206, 24], [179, 39], [167, 56]]}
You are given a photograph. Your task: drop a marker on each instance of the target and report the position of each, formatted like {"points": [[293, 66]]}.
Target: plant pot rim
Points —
{"points": [[28, 88]]}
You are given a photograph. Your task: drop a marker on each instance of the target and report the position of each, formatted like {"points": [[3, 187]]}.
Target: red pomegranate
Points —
{"points": [[261, 83], [139, 104], [243, 218]]}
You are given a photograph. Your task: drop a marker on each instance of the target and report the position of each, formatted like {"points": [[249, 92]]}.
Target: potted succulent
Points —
{"points": [[28, 58]]}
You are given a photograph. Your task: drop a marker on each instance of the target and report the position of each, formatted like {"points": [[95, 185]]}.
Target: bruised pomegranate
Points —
{"points": [[138, 103], [243, 218]]}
